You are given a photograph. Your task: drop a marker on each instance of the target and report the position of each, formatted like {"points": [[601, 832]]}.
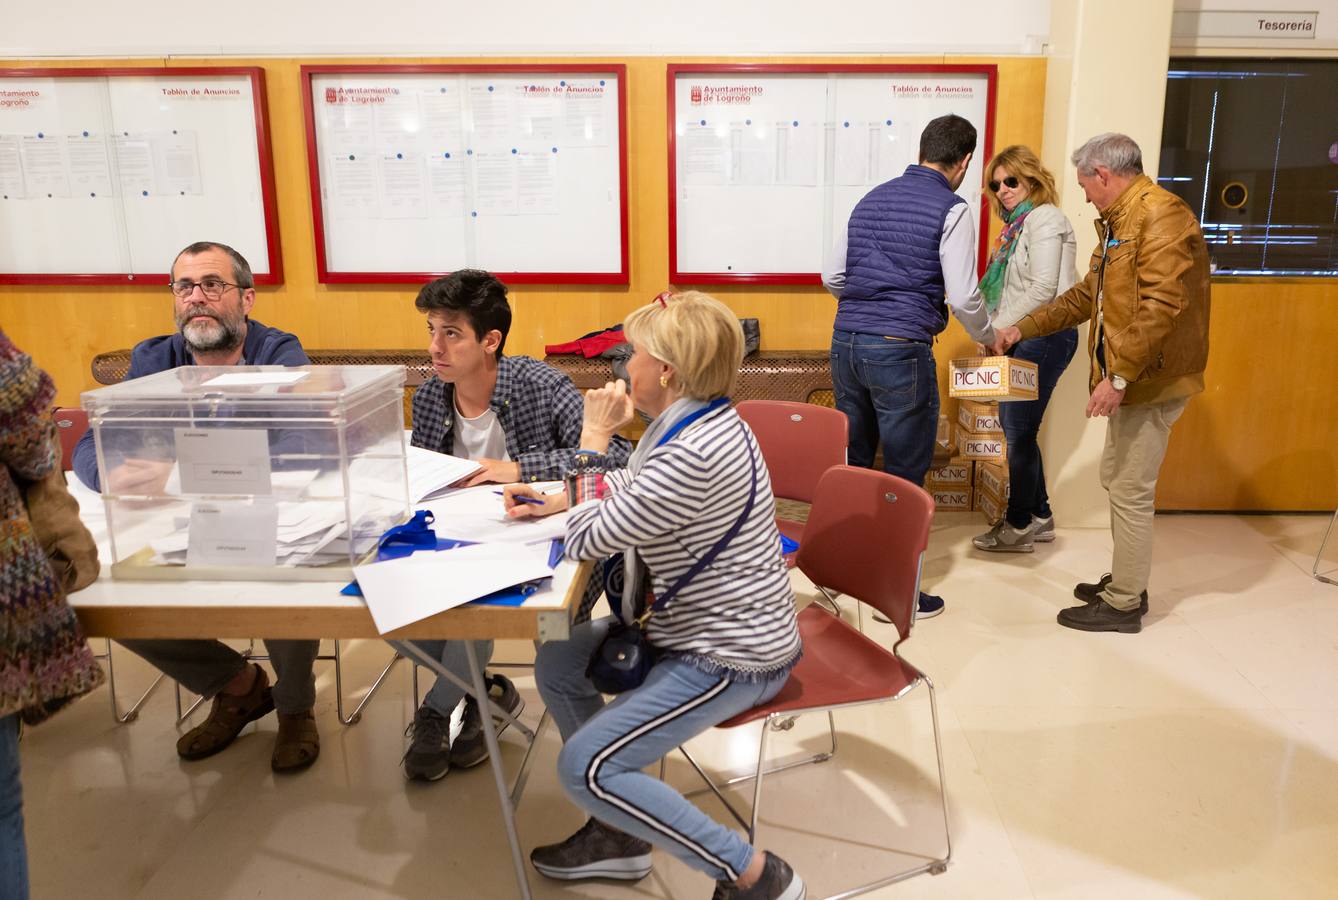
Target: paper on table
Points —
{"points": [[431, 472], [251, 378], [477, 514], [405, 590]]}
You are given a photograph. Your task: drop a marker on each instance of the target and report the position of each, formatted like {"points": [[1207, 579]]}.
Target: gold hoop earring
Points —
{"points": [[664, 381]]}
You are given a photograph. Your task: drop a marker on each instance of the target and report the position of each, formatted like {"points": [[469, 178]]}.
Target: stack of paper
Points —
{"points": [[401, 591]]}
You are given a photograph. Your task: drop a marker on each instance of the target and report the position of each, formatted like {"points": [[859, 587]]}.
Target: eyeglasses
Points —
{"points": [[212, 288], [1011, 181], [663, 298]]}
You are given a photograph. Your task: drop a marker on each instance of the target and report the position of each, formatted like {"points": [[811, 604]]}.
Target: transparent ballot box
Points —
{"points": [[250, 473]]}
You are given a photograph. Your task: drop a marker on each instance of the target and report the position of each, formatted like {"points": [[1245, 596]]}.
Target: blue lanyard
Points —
{"points": [[689, 419]]}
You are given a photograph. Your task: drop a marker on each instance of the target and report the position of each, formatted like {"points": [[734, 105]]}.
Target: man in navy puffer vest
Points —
{"points": [[906, 257]]}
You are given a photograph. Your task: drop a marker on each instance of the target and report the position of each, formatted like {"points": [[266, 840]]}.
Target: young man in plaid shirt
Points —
{"points": [[521, 420]]}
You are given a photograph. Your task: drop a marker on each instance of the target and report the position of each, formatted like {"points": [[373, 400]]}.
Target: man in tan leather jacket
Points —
{"points": [[1146, 293]]}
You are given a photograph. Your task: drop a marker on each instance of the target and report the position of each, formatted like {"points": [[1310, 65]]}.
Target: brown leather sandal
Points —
{"points": [[298, 743], [229, 715]]}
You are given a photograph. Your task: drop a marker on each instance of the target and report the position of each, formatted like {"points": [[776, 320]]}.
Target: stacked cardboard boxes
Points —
{"points": [[991, 495], [950, 485]]}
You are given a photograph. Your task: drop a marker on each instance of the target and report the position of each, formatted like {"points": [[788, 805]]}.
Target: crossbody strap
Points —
{"points": [[710, 555]]}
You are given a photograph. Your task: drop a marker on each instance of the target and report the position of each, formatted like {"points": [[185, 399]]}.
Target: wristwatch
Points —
{"points": [[1118, 382]]}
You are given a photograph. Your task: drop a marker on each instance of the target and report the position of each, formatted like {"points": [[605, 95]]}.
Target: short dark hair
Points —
{"points": [[946, 140], [477, 295], [241, 269]]}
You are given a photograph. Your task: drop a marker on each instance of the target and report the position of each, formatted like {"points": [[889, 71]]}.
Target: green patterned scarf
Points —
{"points": [[991, 286]]}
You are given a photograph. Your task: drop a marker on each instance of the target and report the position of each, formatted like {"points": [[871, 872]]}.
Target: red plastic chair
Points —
{"points": [[799, 441], [71, 423], [866, 538]]}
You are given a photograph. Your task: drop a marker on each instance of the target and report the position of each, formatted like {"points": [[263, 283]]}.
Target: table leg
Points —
{"points": [[499, 776]]}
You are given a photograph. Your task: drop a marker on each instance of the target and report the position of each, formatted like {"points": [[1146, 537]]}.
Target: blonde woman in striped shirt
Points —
{"points": [[727, 637]]}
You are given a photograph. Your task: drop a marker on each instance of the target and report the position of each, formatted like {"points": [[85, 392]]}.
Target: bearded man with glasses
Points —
{"points": [[213, 294]]}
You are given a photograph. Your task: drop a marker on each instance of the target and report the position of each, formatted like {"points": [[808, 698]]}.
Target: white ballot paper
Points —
{"points": [[477, 514], [233, 533], [254, 378], [223, 460], [402, 591], [432, 473]]}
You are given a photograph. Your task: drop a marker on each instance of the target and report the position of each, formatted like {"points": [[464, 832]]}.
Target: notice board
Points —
{"points": [[767, 161], [419, 170], [105, 174]]}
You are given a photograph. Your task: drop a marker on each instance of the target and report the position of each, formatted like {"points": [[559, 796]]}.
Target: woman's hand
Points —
{"points": [[606, 410], [534, 505]]}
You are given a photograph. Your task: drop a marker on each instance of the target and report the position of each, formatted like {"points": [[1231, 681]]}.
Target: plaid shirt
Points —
{"points": [[540, 412]]}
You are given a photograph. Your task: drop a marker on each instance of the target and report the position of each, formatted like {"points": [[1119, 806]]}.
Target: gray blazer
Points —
{"points": [[1042, 266]]}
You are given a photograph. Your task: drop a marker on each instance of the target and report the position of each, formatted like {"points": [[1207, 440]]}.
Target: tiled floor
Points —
{"points": [[1197, 759]]}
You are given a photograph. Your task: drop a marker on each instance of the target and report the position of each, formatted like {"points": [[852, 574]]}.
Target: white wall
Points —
{"points": [[517, 27]]}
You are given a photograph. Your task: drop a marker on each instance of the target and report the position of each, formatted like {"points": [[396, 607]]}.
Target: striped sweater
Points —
{"points": [[737, 614], [44, 660]]}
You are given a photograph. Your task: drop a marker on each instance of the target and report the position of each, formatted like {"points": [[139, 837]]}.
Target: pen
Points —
{"points": [[522, 499]]}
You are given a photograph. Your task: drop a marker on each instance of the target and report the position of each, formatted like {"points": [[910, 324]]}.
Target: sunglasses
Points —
{"points": [[1011, 181]]}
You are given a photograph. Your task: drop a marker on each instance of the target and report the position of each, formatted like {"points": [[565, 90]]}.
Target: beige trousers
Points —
{"points": [[1136, 439]]}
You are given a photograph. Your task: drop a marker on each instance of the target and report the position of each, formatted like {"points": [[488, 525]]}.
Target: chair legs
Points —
{"points": [[1314, 570], [132, 713], [934, 866], [356, 716]]}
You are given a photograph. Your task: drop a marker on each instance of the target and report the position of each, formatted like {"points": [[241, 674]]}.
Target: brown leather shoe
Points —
{"points": [[298, 743], [229, 715]]}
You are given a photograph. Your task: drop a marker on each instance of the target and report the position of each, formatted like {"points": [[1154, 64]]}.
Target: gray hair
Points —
{"points": [[1114, 151], [241, 269]]}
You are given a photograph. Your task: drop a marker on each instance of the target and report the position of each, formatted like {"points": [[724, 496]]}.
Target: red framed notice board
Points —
{"points": [[419, 170], [105, 174], [767, 161]]}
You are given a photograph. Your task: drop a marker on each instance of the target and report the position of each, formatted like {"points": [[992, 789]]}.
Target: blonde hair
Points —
{"points": [[1021, 161], [696, 334]]}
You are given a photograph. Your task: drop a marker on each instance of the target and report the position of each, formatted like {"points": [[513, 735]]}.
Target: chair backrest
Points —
{"points": [[71, 423], [866, 537], [799, 441]]}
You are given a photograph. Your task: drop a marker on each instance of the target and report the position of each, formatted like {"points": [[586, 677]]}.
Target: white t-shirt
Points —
{"points": [[481, 437]]}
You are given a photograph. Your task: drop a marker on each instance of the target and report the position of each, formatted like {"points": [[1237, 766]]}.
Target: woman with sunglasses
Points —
{"points": [[1031, 264]]}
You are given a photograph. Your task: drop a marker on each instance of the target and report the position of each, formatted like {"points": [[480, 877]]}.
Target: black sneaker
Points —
{"points": [[596, 851], [1101, 616], [429, 755], [469, 748], [1090, 593], [777, 882]]}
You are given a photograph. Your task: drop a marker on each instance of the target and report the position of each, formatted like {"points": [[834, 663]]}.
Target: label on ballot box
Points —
{"points": [[992, 378], [981, 446], [952, 498], [979, 418]]}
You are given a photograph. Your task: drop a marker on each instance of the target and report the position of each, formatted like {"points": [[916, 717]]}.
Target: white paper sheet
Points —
{"points": [[227, 533], [401, 591], [250, 378], [477, 514], [223, 460], [44, 170], [431, 473], [11, 172], [90, 169]]}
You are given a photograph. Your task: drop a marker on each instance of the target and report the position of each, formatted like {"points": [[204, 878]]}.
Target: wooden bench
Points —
{"points": [[800, 375]]}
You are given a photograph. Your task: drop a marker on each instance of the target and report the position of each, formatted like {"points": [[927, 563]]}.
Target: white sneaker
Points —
{"points": [[1043, 530], [1004, 538]]}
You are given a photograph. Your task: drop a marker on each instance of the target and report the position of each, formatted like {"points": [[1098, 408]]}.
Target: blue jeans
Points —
{"points": [[445, 694], [13, 849], [1021, 421], [888, 389], [606, 747]]}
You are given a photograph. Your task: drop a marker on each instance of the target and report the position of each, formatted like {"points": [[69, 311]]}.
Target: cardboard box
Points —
{"points": [[989, 447], [952, 498], [979, 418], [992, 478], [957, 473], [992, 378], [991, 506]]}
